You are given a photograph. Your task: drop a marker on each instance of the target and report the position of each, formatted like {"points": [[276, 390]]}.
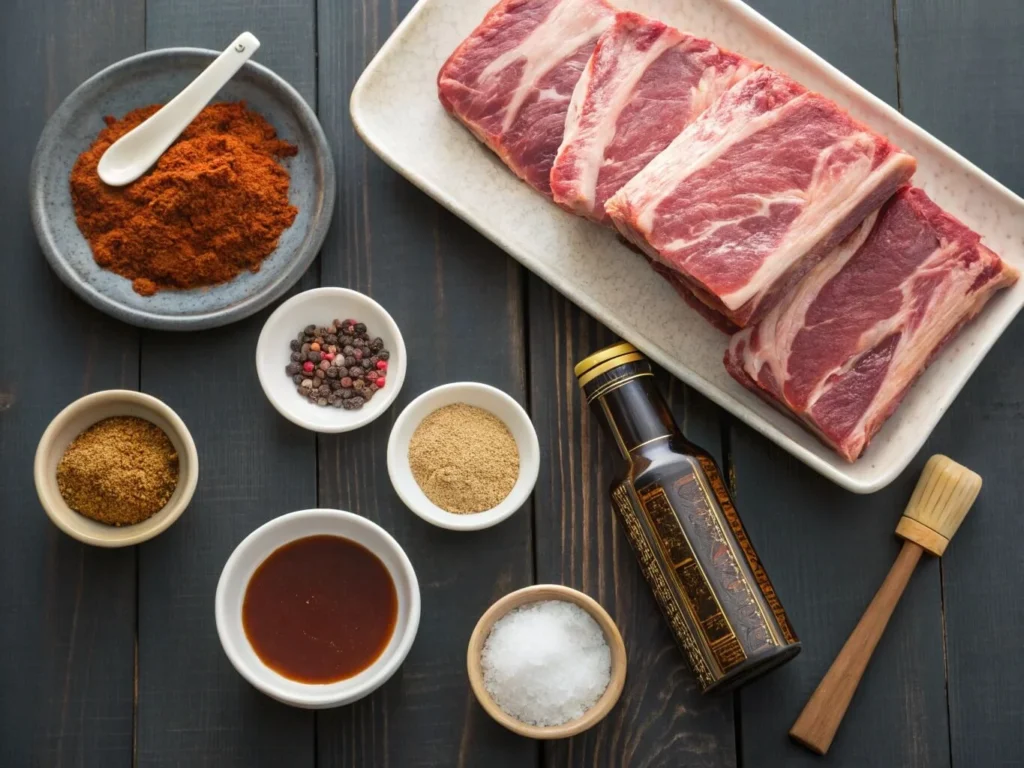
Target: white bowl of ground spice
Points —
{"points": [[116, 468], [464, 456]]}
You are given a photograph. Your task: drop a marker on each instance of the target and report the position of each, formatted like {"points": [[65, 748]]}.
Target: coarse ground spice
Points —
{"points": [[212, 207], [120, 471], [464, 458]]}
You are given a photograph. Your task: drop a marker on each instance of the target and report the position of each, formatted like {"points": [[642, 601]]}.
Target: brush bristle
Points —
{"points": [[942, 498]]}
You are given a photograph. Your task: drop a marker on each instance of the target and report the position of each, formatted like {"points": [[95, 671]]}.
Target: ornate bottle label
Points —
{"points": [[663, 593], [736, 525], [698, 595]]}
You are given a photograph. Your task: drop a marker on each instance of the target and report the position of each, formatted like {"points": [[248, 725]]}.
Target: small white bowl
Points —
{"points": [[257, 547], [319, 307], [482, 396]]}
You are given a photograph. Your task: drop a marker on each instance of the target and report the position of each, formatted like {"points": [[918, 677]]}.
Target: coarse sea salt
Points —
{"points": [[546, 663]]}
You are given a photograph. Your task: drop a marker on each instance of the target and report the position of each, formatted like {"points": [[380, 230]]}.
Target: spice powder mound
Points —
{"points": [[120, 471], [464, 459], [212, 207]]}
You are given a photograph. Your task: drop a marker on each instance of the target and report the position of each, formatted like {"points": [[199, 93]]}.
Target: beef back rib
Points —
{"points": [[755, 191], [643, 84], [842, 349], [511, 80]]}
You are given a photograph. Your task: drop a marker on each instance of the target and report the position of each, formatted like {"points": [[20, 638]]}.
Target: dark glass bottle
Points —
{"points": [[680, 519]]}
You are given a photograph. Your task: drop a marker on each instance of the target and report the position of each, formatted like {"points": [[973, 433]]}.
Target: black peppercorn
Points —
{"points": [[310, 330], [332, 373], [355, 371], [384, 355], [360, 327], [377, 344]]}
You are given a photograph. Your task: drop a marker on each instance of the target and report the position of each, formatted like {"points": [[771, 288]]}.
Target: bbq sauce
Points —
{"points": [[320, 609], [683, 527]]}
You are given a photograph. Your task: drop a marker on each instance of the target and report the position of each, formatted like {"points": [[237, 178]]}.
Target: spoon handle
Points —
{"points": [[133, 154]]}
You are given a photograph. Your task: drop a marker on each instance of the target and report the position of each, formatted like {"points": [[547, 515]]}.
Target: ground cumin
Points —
{"points": [[213, 206], [464, 459], [120, 471]]}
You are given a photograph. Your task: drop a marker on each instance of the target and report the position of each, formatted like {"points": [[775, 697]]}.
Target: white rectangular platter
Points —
{"points": [[395, 109]]}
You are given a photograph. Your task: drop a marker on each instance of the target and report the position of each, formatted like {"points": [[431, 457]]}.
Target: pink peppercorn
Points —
{"points": [[380, 382], [327, 355], [382, 365], [307, 366]]}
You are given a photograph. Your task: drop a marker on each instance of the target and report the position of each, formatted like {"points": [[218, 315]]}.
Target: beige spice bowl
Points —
{"points": [[505, 408], [81, 415], [533, 594]]}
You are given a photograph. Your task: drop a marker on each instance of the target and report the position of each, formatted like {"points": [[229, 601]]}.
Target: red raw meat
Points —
{"points": [[756, 191], [842, 349], [511, 80], [644, 83]]}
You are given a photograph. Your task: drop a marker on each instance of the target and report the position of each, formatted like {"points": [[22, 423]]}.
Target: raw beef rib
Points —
{"points": [[843, 348], [755, 191], [511, 80], [644, 83]]}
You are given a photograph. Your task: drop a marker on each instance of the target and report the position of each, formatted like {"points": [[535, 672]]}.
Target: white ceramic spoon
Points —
{"points": [[134, 153]]}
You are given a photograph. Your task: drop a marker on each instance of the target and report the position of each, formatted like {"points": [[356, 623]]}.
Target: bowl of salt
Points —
{"points": [[547, 662]]}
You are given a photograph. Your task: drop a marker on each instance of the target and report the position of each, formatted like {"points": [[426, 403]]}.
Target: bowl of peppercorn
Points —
{"points": [[331, 359]]}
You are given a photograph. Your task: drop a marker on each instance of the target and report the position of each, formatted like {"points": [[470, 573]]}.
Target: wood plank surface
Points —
{"points": [[458, 301], [194, 709], [67, 611], [662, 719], [962, 78], [826, 550]]}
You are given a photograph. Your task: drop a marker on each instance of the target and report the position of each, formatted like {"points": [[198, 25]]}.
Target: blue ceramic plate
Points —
{"points": [[154, 78]]}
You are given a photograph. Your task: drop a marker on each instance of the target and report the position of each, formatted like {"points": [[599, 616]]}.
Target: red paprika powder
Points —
{"points": [[213, 206]]}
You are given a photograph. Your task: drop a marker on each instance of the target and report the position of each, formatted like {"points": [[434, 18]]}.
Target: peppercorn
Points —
{"points": [[292, 368], [332, 373], [355, 371], [307, 383], [349, 361], [382, 365], [324, 365], [309, 330], [319, 374], [360, 327], [322, 401], [384, 355], [331, 336], [380, 382], [377, 344], [346, 382], [345, 393], [338, 403], [314, 356], [365, 363], [297, 378], [358, 384]]}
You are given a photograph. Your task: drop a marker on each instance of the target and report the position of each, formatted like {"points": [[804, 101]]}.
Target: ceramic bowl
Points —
{"points": [[318, 307], [482, 396], [151, 78], [537, 593], [81, 415], [256, 547]]}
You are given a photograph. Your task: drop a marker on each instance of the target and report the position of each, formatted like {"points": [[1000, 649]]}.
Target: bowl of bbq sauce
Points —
{"points": [[318, 608]]}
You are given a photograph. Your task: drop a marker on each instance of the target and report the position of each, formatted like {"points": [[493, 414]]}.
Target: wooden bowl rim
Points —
{"points": [[533, 594]]}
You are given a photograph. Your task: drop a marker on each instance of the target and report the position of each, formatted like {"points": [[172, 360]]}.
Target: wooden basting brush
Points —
{"points": [[941, 499]]}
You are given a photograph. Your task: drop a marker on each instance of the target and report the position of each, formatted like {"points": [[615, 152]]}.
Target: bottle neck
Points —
{"points": [[635, 413]]}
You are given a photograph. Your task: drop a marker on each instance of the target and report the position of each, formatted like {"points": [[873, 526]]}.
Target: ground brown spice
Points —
{"points": [[212, 207], [464, 459], [120, 471]]}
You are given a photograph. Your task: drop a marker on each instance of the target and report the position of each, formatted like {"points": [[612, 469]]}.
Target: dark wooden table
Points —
{"points": [[110, 658]]}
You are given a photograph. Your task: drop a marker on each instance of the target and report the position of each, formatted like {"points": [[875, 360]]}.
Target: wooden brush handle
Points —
{"points": [[817, 724]]}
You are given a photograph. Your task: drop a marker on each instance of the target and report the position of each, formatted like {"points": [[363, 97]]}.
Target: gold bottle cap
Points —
{"points": [[594, 365]]}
